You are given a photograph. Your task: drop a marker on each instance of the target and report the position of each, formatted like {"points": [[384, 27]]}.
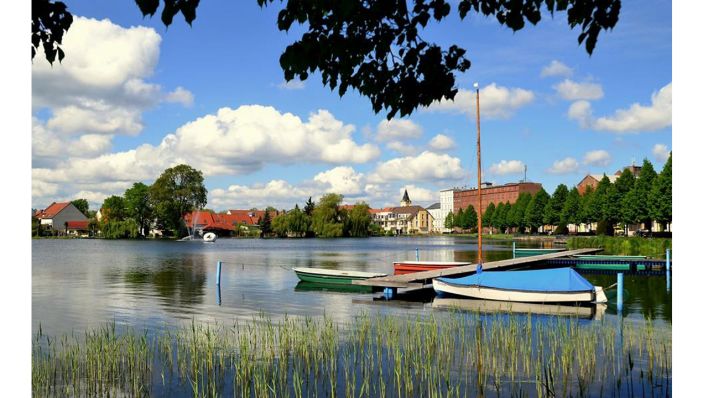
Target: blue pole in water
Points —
{"points": [[668, 269], [513, 249], [218, 294], [218, 272], [620, 292], [417, 255]]}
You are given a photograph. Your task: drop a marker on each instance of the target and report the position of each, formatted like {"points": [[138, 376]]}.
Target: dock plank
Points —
{"points": [[417, 278]]}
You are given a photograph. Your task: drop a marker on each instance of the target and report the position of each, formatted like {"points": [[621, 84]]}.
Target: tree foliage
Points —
{"points": [[374, 47], [533, 217], [138, 205], [488, 216], [660, 195], [554, 208], [113, 208], [177, 191], [572, 207], [327, 220], [358, 221]]}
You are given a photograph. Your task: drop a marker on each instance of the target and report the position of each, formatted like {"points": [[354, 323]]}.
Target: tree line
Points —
{"points": [[629, 200], [326, 219]]}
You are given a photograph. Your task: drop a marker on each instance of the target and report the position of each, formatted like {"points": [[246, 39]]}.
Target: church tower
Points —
{"points": [[405, 201]]}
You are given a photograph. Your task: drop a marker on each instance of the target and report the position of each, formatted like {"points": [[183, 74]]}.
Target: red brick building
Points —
{"points": [[493, 194]]}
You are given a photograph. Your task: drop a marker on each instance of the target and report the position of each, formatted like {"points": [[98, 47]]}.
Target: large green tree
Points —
{"points": [[327, 220], [138, 205], [375, 47], [359, 220], [637, 205], [177, 191], [660, 196], [113, 209], [533, 218], [572, 207], [517, 214], [488, 216], [554, 208]]}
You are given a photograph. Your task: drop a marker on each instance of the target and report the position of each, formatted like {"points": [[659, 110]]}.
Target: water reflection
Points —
{"points": [[176, 282], [80, 283]]}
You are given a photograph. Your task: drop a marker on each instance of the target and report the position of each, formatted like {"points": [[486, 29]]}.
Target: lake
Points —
{"points": [[77, 284]]}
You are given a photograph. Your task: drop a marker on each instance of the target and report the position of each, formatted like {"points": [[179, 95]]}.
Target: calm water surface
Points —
{"points": [[149, 284]]}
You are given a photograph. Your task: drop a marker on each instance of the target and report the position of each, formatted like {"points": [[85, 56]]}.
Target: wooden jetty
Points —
{"points": [[418, 280]]}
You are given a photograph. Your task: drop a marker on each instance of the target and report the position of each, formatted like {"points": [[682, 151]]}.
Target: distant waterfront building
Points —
{"points": [[591, 180], [447, 205], [63, 217], [437, 215], [405, 219], [492, 194]]}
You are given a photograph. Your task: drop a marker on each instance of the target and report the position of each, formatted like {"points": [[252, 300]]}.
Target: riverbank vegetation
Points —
{"points": [[625, 246], [445, 354], [609, 208]]}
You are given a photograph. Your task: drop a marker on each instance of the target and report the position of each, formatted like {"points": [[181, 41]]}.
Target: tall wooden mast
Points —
{"points": [[479, 183]]}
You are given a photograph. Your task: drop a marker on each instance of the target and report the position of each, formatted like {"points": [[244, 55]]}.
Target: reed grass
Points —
{"points": [[624, 246], [447, 354]]}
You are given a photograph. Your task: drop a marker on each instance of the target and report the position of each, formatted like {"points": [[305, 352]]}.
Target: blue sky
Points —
{"points": [[133, 97]]}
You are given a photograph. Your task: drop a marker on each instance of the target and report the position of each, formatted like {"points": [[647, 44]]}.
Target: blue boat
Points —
{"points": [[558, 285]]}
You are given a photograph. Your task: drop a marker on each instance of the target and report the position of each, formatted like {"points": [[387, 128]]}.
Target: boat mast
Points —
{"points": [[479, 183]]}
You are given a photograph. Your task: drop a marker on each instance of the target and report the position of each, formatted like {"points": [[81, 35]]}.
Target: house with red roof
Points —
{"points": [[64, 218], [224, 224]]}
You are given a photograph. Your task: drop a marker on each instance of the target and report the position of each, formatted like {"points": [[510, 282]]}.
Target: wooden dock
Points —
{"points": [[418, 280]]}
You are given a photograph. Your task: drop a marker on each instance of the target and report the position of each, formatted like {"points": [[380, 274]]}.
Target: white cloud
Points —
{"points": [[232, 141], [100, 87], [277, 193], [496, 102], [637, 118], [396, 129], [599, 157], [180, 95], [428, 166], [556, 68], [507, 167], [401, 148], [661, 152], [236, 141], [419, 196], [295, 84], [48, 148], [566, 166], [441, 142], [573, 91], [342, 180]]}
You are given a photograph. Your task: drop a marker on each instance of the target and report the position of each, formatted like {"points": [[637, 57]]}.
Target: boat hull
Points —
{"points": [[409, 267], [496, 294], [593, 311], [332, 277]]}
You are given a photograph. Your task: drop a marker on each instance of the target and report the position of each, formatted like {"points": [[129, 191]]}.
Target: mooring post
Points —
{"points": [[417, 255], [389, 292], [218, 272], [513, 249], [218, 294], [620, 292]]}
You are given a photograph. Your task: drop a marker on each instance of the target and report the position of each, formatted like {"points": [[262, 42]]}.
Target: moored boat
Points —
{"points": [[559, 285], [407, 267], [333, 276]]}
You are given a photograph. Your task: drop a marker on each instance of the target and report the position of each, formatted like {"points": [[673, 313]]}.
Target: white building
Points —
{"points": [[446, 207], [438, 219]]}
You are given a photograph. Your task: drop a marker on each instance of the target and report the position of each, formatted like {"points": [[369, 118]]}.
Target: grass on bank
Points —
{"points": [[625, 246], [448, 354]]}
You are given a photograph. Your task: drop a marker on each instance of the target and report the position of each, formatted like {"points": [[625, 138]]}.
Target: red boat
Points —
{"points": [[408, 267]]}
